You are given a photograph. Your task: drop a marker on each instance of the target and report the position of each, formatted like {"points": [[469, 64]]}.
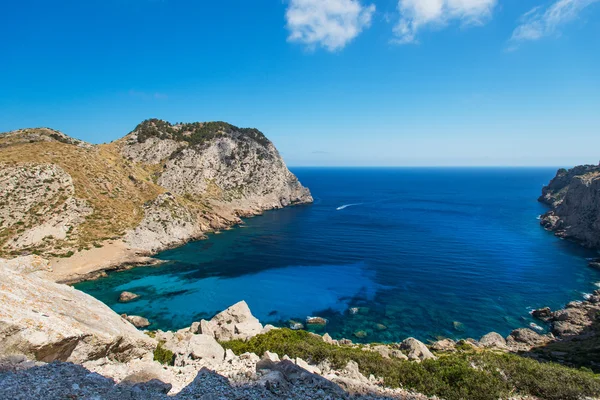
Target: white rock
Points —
{"points": [[47, 321], [416, 350], [204, 347], [237, 322]]}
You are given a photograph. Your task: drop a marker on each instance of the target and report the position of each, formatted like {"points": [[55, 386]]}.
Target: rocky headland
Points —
{"points": [[93, 208], [574, 198]]}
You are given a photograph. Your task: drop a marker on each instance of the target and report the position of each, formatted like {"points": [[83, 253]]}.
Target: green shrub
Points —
{"points": [[469, 374], [163, 355]]}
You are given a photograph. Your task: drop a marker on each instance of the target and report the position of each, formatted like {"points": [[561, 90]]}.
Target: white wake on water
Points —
{"points": [[348, 205]]}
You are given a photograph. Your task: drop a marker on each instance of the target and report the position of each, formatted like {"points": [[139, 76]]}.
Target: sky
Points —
{"points": [[330, 82]]}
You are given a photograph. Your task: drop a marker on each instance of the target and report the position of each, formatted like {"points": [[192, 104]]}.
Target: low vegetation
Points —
{"points": [[163, 355], [196, 133], [475, 375]]}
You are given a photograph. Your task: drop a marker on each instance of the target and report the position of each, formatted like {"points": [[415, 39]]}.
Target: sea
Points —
{"points": [[383, 254]]}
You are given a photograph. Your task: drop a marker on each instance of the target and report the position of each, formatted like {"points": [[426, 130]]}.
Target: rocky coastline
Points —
{"points": [[53, 336], [574, 198]]}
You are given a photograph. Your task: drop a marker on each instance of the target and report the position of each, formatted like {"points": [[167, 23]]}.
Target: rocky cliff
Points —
{"points": [[158, 187], [574, 196]]}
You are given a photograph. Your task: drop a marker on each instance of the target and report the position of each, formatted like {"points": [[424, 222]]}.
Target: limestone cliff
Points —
{"points": [[158, 187], [574, 196], [47, 321]]}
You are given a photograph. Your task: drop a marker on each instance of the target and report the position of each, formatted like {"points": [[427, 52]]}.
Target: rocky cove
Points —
{"points": [[93, 209], [63, 343]]}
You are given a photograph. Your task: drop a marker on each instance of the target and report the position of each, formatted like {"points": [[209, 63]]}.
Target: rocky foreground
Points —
{"points": [[57, 342], [100, 207]]}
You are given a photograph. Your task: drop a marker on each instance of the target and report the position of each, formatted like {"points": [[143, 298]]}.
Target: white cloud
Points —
{"points": [[329, 23], [415, 15], [540, 21]]}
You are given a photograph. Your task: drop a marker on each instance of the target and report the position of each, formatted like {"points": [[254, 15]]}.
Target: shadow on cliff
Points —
{"points": [[59, 380]]}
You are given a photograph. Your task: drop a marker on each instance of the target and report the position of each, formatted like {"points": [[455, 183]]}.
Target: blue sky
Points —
{"points": [[331, 82]]}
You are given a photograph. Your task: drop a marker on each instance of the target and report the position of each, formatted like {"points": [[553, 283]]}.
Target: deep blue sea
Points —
{"points": [[422, 252]]}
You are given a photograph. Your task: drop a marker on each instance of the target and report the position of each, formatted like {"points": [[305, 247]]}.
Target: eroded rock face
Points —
{"points": [[47, 321], [240, 167], [575, 199], [237, 322], [38, 207], [166, 223]]}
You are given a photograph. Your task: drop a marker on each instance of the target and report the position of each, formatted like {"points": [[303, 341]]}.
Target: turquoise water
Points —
{"points": [[425, 252]]}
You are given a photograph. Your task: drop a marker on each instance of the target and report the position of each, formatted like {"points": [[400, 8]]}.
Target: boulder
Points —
{"points": [[446, 345], [195, 328], [542, 313], [205, 347], [126, 297], [47, 321], [493, 340], [416, 350], [328, 339], [524, 339], [137, 321], [237, 322]]}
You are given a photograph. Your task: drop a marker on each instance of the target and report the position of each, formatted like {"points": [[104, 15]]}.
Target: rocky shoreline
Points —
{"points": [[44, 325], [574, 198]]}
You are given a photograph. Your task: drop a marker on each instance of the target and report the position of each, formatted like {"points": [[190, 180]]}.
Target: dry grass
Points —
{"points": [[115, 187]]}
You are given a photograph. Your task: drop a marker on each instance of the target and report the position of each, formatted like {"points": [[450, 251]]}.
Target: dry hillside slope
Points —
{"points": [[159, 186]]}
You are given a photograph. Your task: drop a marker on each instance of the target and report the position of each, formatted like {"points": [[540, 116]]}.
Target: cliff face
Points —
{"points": [[574, 196], [47, 321], [158, 187]]}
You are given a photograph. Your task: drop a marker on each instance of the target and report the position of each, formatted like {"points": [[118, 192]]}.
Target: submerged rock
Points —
{"points": [[458, 326], [361, 334], [316, 321]]}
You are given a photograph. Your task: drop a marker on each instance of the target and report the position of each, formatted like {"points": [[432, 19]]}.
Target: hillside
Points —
{"points": [[574, 196], [158, 187]]}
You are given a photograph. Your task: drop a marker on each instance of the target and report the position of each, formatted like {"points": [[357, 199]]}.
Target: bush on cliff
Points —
{"points": [[476, 375], [163, 355]]}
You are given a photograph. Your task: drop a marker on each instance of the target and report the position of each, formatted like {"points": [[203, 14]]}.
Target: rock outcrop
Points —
{"points": [[236, 322], [157, 188], [47, 321], [574, 196], [416, 350], [493, 340]]}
